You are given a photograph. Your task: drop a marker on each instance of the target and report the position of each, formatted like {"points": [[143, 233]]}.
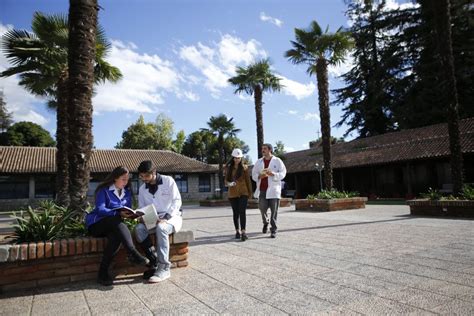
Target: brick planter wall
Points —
{"points": [[462, 208], [330, 205], [284, 202], [38, 264]]}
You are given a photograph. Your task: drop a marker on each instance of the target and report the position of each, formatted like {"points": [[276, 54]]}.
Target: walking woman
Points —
{"points": [[106, 220], [240, 190]]}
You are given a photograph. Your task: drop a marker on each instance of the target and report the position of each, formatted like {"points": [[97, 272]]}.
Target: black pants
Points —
{"points": [[239, 207], [116, 232]]}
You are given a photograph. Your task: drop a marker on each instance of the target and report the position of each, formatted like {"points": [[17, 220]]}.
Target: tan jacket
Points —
{"points": [[243, 185]]}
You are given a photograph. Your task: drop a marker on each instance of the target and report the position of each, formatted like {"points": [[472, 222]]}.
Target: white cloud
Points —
{"points": [[267, 18], [191, 96], [342, 68], [296, 89], [18, 101], [146, 80], [311, 117], [217, 63], [289, 149], [292, 112]]}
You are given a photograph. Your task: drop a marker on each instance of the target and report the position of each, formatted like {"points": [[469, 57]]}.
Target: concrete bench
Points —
{"points": [[39, 264]]}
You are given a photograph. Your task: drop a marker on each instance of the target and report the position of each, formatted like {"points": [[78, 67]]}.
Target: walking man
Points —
{"points": [[268, 172], [163, 192]]}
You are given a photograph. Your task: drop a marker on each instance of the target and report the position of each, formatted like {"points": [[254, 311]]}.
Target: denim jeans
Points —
{"points": [[263, 205], [162, 231]]}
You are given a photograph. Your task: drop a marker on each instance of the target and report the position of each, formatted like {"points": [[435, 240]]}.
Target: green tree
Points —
{"points": [[140, 135], [279, 149], [254, 80], [81, 55], [222, 127], [319, 50], [178, 143], [40, 58], [164, 131], [5, 116], [27, 134], [196, 145]]}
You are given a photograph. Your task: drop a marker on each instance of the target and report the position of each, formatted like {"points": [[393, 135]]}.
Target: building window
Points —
{"points": [[204, 183], [44, 186], [181, 182], [14, 187]]}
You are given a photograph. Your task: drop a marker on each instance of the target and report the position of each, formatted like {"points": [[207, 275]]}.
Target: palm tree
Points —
{"points": [[222, 127], [442, 18], [319, 50], [82, 53], [40, 60], [254, 80]]}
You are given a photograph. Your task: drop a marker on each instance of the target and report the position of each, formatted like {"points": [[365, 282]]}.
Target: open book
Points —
{"points": [[148, 214]]}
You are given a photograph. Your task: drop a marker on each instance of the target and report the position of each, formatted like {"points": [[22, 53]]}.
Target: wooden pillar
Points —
{"points": [[408, 178], [31, 191]]}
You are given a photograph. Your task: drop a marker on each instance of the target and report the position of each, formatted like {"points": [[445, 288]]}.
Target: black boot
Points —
{"points": [[135, 258], [103, 277], [150, 253]]}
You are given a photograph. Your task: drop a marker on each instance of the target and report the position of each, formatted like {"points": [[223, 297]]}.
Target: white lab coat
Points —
{"points": [[167, 200], [274, 182]]}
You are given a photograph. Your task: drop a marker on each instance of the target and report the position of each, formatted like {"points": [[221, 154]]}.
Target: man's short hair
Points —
{"points": [[146, 167], [269, 146]]}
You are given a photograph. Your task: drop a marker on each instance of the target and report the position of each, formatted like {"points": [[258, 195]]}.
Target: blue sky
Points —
{"points": [[176, 57]]}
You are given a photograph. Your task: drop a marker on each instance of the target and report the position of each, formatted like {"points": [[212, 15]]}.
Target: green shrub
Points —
{"points": [[432, 195], [48, 221], [332, 194], [468, 192]]}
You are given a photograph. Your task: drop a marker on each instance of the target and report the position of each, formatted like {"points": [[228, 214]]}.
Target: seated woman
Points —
{"points": [[106, 220]]}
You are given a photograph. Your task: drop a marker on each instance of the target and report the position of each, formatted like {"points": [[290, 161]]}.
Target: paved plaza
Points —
{"points": [[374, 261]]}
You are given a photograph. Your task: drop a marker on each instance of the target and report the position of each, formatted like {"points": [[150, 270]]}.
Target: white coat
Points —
{"points": [[167, 200], [274, 182]]}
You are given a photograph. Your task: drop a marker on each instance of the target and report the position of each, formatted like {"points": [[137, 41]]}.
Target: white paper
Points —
{"points": [[150, 216]]}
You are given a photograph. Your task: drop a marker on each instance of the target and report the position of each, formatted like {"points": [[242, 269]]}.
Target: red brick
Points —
{"points": [[64, 244], [69, 271], [91, 267], [86, 242], [56, 264], [17, 286], [32, 250], [180, 245], [71, 247], [79, 260], [53, 281], [93, 244], [14, 253], [176, 258], [100, 244], [57, 248], [84, 276], [23, 252], [40, 250], [48, 249], [78, 245], [20, 269], [182, 251], [182, 264]]}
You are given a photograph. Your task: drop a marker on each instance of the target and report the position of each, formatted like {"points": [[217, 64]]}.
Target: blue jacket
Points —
{"points": [[105, 201]]}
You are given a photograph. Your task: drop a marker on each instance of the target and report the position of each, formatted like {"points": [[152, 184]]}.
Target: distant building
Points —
{"points": [[394, 165], [27, 174]]}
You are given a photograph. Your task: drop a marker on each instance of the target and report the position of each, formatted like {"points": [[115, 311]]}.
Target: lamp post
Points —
{"points": [[320, 169]]}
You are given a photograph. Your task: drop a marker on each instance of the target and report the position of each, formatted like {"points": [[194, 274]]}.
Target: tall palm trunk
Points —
{"points": [[62, 139], [259, 118], [221, 169], [442, 18], [323, 91], [82, 35]]}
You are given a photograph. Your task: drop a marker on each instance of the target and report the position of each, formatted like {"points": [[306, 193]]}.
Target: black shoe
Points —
{"points": [[273, 235], [265, 228], [237, 235], [105, 279], [149, 273], [244, 237], [135, 258]]}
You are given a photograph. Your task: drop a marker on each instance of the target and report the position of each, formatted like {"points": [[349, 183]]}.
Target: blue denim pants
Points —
{"points": [[162, 231]]}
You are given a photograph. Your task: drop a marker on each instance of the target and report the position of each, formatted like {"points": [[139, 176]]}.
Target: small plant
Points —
{"points": [[433, 195], [468, 192], [332, 194], [46, 222], [213, 197]]}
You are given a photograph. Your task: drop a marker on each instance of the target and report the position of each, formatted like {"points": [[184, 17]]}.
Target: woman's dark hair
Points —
{"points": [[109, 180], [230, 166]]}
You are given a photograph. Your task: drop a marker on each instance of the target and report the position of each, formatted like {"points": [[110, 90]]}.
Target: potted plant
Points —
{"points": [[435, 203], [333, 200]]}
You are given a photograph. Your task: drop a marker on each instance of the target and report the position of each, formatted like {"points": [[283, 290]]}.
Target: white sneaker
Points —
{"points": [[159, 276]]}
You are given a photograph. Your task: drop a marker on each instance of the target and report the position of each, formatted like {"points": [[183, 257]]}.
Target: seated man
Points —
{"points": [[163, 192]]}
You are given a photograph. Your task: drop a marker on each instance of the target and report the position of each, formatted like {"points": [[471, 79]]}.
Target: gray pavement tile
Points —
{"points": [[63, 309], [417, 298], [295, 302], [455, 307], [381, 306], [20, 305], [118, 307]]}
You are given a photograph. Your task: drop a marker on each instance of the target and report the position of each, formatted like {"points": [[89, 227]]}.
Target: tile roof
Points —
{"points": [[43, 160], [412, 144]]}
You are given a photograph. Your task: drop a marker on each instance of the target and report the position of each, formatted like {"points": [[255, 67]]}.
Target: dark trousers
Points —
{"points": [[116, 232], [239, 208]]}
